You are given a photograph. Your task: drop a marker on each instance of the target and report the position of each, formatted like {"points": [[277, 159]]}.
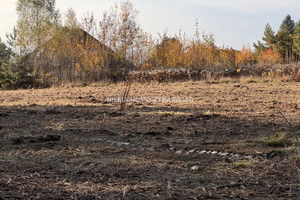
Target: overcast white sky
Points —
{"points": [[233, 22]]}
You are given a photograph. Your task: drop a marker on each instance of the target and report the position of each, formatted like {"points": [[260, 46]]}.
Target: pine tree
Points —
{"points": [[259, 48], [289, 23], [296, 39], [5, 53], [284, 38], [269, 36]]}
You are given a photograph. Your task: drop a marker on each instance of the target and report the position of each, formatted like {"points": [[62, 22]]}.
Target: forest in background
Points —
{"points": [[47, 48]]}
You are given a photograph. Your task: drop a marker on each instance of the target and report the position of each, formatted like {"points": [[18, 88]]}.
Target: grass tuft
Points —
{"points": [[241, 165], [277, 140]]}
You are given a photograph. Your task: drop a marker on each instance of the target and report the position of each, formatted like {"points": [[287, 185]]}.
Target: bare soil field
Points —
{"points": [[230, 142]]}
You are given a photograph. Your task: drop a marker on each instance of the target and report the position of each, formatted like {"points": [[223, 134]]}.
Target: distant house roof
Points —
{"points": [[87, 36], [82, 37], [60, 59]]}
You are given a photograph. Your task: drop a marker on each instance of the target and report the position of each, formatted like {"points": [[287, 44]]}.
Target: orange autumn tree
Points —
{"points": [[89, 56], [202, 52], [211, 55], [170, 53], [269, 56], [195, 50], [56, 58], [211, 52], [195, 54], [227, 57], [245, 56]]}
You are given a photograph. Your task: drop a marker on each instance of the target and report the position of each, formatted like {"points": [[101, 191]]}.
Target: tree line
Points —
{"points": [[47, 48], [283, 46]]}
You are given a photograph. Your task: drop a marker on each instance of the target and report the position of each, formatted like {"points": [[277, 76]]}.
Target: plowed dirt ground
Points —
{"points": [[73, 143]]}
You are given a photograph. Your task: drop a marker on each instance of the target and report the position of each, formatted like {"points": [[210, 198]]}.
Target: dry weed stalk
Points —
{"points": [[290, 127], [125, 94]]}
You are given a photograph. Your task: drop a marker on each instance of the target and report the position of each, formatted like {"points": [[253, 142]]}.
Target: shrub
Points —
{"points": [[269, 57], [14, 78]]}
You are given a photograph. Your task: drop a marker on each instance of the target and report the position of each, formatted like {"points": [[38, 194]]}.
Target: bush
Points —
{"points": [[15, 78]]}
